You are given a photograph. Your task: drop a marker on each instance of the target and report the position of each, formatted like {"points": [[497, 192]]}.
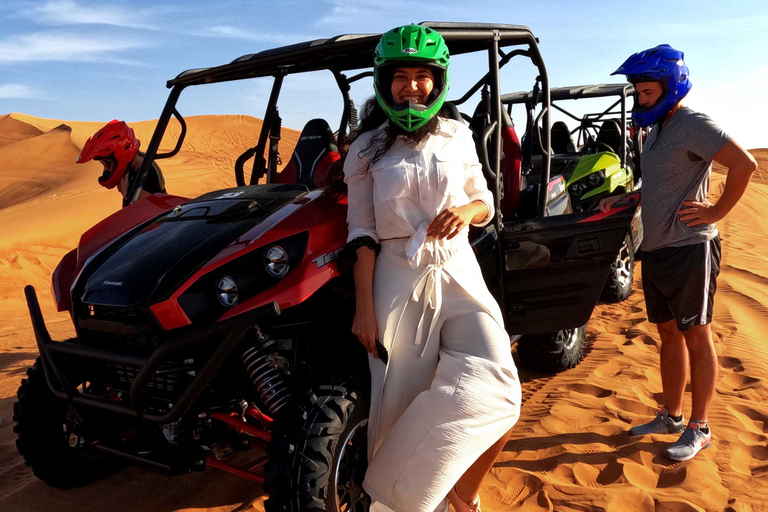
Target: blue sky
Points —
{"points": [[87, 60]]}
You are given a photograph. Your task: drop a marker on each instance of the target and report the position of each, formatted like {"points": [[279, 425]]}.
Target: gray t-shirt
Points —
{"points": [[677, 161]]}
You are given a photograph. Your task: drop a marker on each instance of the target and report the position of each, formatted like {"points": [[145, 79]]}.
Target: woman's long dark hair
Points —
{"points": [[372, 116]]}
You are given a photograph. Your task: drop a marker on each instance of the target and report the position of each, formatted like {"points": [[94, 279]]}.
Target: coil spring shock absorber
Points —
{"points": [[265, 368], [352, 116]]}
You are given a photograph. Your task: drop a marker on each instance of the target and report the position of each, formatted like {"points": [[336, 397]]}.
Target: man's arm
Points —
{"points": [[741, 164], [607, 202]]}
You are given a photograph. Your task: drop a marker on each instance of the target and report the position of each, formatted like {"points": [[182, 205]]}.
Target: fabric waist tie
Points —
{"points": [[429, 283]]}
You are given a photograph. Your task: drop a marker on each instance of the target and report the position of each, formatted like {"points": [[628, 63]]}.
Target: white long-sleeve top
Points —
{"points": [[400, 195]]}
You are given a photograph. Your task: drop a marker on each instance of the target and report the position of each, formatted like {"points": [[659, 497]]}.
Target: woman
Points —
{"points": [[442, 407]]}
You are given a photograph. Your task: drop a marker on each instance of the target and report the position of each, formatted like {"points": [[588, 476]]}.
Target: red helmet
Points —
{"points": [[115, 140]]}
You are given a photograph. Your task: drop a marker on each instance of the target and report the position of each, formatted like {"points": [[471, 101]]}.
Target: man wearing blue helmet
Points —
{"points": [[681, 246]]}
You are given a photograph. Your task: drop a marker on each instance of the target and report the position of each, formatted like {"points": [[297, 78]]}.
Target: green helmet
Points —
{"points": [[411, 45]]}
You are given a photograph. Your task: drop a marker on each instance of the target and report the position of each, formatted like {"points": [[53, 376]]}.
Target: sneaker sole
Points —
{"points": [[683, 459]]}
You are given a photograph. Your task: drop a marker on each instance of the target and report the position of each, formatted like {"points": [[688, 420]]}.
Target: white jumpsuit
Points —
{"points": [[450, 390]]}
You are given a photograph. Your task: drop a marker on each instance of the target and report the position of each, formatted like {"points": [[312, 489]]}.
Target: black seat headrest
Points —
{"points": [[610, 133], [562, 142], [316, 140], [453, 112], [479, 119]]}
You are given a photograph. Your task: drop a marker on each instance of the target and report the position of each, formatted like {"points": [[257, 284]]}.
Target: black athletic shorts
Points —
{"points": [[680, 282]]}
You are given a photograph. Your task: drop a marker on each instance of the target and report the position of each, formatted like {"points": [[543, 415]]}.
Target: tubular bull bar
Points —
{"points": [[229, 332]]}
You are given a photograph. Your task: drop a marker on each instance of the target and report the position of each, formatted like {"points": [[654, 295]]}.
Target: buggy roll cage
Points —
{"points": [[351, 52], [587, 121]]}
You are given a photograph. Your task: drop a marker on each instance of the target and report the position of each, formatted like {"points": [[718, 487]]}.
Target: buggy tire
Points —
{"points": [[552, 352], [318, 458], [618, 285], [43, 441]]}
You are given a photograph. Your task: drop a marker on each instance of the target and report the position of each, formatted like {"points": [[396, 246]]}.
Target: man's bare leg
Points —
{"points": [[674, 366], [704, 369]]}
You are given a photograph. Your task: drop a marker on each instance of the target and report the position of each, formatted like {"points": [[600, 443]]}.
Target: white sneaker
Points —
{"points": [[690, 443]]}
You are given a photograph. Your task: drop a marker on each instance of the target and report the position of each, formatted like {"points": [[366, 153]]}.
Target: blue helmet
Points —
{"points": [[662, 64]]}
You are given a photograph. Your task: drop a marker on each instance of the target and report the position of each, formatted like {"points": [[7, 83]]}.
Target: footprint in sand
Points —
{"points": [[588, 389], [731, 363], [632, 322], [643, 341], [748, 459], [672, 477], [622, 405], [611, 369], [585, 474], [524, 488], [640, 476], [611, 474], [751, 439], [754, 420], [759, 453], [738, 382]]}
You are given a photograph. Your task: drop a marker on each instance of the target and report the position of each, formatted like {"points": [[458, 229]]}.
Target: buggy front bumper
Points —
{"points": [[55, 356]]}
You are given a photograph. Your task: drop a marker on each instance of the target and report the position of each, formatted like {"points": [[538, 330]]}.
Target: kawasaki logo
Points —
{"points": [[410, 50]]}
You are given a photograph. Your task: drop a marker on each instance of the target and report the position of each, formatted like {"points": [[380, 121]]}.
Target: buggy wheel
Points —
{"points": [[318, 459], [618, 286], [553, 351], [48, 439]]}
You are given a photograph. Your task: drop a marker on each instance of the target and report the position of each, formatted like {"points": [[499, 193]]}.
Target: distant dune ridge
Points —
{"points": [[569, 452]]}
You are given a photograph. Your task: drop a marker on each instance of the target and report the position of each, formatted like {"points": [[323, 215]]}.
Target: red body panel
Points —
{"points": [[321, 172], [511, 166], [288, 174], [171, 314], [323, 217], [616, 208], [61, 280]]}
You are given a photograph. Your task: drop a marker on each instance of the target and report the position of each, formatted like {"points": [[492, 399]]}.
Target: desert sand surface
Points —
{"points": [[569, 451]]}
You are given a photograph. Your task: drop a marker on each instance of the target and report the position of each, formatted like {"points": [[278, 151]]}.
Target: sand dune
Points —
{"points": [[40, 172], [12, 130], [570, 450]]}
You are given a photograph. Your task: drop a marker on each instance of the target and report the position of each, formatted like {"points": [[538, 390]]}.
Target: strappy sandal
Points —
{"points": [[462, 506]]}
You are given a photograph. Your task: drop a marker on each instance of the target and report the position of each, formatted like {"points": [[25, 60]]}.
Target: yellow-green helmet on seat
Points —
{"points": [[411, 45]]}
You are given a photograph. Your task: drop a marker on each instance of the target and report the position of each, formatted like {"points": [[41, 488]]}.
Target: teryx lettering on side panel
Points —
{"points": [[325, 259]]}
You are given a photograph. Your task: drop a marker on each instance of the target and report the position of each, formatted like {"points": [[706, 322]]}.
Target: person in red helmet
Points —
{"points": [[116, 147]]}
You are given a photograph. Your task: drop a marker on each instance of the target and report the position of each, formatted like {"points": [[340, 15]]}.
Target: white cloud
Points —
{"points": [[68, 12], [18, 91], [353, 16], [47, 46], [251, 34]]}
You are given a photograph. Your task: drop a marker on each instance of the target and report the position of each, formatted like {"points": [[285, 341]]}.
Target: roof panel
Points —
{"points": [[573, 92], [347, 52]]}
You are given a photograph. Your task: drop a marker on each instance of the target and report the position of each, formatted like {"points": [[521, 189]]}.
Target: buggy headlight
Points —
{"points": [[596, 179], [578, 189], [226, 291], [241, 279], [276, 261]]}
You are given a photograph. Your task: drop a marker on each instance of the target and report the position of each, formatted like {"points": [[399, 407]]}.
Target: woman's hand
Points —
{"points": [[365, 327], [451, 221]]}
